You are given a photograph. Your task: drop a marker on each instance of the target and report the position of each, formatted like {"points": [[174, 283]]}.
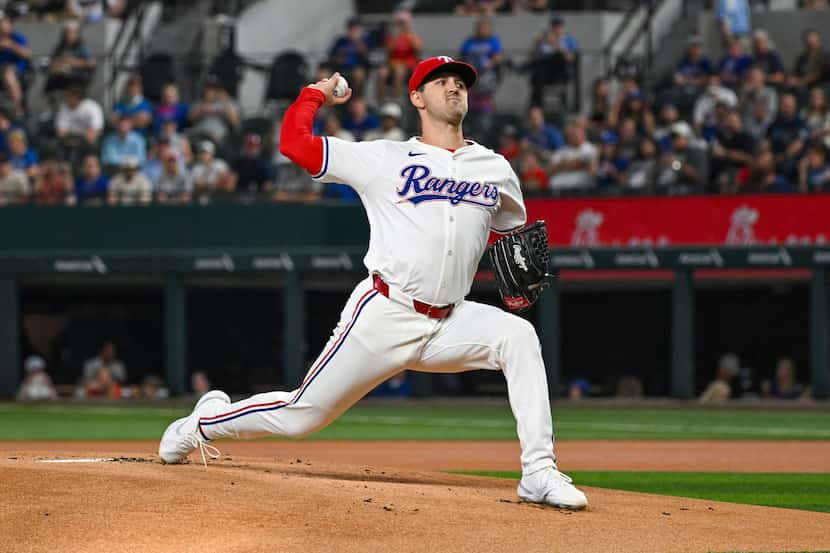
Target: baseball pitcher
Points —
{"points": [[431, 202]]}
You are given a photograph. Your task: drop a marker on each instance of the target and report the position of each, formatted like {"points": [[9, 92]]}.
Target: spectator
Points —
{"points": [[14, 61], [54, 185], [683, 167], [390, 124], [811, 65], [720, 389], [600, 105], [199, 383], [334, 128], [611, 165], [403, 48], [130, 186], [787, 136], [669, 115], [483, 49], [762, 177], [694, 68], [575, 165], [349, 55], [814, 171], [767, 59], [216, 114], [21, 156], [209, 174], [540, 135], [70, 62], [173, 186], [253, 172], [360, 120], [509, 145], [754, 91], [817, 116], [642, 171], [534, 179], [123, 143], [705, 111], [36, 385], [92, 186], [107, 357], [633, 106], [758, 121], [79, 118], [732, 150], [14, 184], [627, 141], [171, 108], [552, 59], [134, 106], [734, 65], [5, 126], [735, 20], [179, 144], [152, 387], [94, 10], [785, 385], [102, 385]]}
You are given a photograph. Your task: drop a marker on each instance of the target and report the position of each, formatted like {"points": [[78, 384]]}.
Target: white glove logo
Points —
{"points": [[518, 258]]}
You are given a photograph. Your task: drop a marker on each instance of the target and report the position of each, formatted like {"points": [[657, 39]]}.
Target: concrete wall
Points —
{"points": [[263, 30], [784, 27]]}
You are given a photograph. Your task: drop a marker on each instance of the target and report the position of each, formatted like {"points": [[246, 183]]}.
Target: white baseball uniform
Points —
{"points": [[430, 211]]}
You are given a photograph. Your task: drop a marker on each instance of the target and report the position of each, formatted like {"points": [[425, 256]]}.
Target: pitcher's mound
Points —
{"points": [[110, 503]]}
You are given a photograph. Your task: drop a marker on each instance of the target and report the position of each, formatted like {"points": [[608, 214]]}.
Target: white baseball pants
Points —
{"points": [[376, 338]]}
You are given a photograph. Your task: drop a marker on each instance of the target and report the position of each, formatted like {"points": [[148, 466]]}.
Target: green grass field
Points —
{"points": [[429, 422], [407, 422], [793, 491]]}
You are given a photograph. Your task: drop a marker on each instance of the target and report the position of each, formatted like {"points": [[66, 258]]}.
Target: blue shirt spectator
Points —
{"points": [[694, 68], [134, 106], [540, 134], [734, 65], [13, 47], [170, 109], [92, 184], [20, 155], [483, 50], [350, 50], [23, 161], [360, 120], [123, 143], [735, 17]]}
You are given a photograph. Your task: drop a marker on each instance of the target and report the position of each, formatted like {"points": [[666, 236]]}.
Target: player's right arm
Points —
{"points": [[328, 159]]}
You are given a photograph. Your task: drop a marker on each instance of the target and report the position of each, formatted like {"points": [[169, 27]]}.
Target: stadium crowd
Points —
{"points": [[745, 123]]}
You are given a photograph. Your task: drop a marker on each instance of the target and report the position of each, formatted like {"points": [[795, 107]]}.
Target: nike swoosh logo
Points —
{"points": [[413, 154]]}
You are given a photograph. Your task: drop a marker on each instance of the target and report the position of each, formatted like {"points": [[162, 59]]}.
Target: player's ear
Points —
{"points": [[416, 99]]}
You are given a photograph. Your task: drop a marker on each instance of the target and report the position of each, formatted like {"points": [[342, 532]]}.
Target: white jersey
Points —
{"points": [[430, 210]]}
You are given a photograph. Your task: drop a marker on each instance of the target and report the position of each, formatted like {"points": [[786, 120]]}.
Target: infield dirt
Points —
{"points": [[272, 500]]}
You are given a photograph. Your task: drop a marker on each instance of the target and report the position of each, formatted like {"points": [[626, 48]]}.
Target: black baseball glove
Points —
{"points": [[520, 260]]}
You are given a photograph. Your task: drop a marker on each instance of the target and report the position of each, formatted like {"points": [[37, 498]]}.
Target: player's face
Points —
{"points": [[444, 98]]}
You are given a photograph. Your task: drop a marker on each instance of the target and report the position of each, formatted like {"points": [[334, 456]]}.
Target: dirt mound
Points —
{"points": [[134, 503]]}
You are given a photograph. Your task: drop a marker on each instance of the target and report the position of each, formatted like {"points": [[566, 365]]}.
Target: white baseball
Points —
{"points": [[342, 87]]}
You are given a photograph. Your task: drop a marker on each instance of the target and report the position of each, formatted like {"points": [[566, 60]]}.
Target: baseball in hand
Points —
{"points": [[341, 88]]}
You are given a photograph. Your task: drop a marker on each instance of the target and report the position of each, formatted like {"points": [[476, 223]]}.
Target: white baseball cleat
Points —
{"points": [[183, 435], [551, 487]]}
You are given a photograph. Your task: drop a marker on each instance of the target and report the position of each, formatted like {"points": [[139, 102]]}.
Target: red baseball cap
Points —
{"points": [[425, 69]]}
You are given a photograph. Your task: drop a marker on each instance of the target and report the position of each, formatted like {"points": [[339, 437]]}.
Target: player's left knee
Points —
{"points": [[522, 330]]}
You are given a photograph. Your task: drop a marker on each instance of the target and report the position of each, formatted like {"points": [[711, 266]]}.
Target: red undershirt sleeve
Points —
{"points": [[297, 142]]}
